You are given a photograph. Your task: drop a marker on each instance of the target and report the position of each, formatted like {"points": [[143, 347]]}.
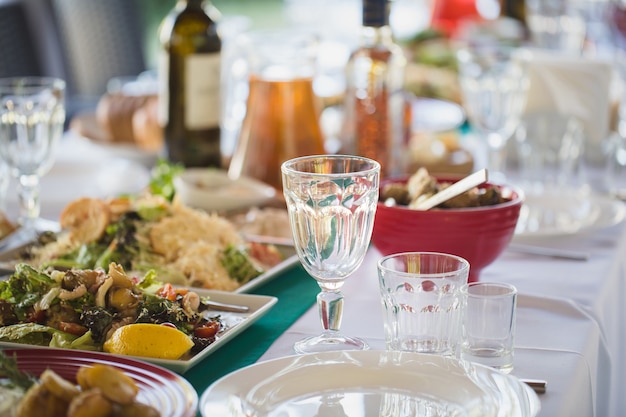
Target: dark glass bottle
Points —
{"points": [[515, 9], [189, 90], [374, 102]]}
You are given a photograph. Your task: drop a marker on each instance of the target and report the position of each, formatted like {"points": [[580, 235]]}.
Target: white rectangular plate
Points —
{"points": [[259, 305], [7, 262]]}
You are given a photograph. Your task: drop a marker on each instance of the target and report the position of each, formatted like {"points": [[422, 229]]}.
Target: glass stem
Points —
{"points": [[496, 158], [330, 304], [28, 192]]}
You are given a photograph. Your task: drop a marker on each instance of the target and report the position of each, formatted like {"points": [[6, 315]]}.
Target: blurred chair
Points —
{"points": [[19, 51], [100, 39]]}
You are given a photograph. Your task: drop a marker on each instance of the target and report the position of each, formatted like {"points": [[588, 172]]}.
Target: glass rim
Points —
{"points": [[463, 268], [287, 166], [510, 289], [31, 83]]}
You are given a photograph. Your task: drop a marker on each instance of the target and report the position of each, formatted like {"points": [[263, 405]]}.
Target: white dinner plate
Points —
{"points": [[552, 215], [258, 305], [364, 383]]}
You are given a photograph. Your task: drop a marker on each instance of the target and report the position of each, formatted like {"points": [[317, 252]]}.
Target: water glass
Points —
{"points": [[4, 186], [32, 114], [494, 84], [556, 25], [550, 148], [488, 329], [331, 200], [615, 174], [421, 301]]}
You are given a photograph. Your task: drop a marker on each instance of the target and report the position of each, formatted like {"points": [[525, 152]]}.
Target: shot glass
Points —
{"points": [[422, 301], [488, 329]]}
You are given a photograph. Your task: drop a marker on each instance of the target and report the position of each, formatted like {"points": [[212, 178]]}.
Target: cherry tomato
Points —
{"points": [[167, 291], [207, 331]]}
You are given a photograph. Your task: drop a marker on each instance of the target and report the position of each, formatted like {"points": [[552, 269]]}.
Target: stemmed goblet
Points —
{"points": [[494, 84], [32, 113], [331, 200]]}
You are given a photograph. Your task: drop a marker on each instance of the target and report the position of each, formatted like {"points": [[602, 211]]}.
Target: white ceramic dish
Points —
{"points": [[258, 305], [363, 383], [290, 261], [558, 215], [213, 190]]}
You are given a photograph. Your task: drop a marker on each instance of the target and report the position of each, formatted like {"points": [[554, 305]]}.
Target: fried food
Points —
{"points": [[103, 391], [85, 218]]}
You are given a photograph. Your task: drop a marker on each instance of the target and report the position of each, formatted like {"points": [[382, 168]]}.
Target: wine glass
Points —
{"points": [[331, 200], [494, 84], [32, 113]]}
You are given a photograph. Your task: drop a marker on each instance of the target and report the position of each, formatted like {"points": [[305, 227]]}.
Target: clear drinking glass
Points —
{"points": [[32, 113], [331, 201], [494, 84]]}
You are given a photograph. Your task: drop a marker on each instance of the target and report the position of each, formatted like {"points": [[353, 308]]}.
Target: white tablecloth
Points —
{"points": [[556, 341], [569, 331]]}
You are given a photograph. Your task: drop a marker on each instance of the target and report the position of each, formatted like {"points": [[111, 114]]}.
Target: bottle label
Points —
{"points": [[202, 91], [164, 91]]}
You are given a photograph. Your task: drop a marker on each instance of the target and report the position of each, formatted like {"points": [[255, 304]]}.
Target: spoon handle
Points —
{"points": [[454, 190]]}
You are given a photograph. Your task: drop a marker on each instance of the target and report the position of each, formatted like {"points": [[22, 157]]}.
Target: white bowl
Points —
{"points": [[212, 190]]}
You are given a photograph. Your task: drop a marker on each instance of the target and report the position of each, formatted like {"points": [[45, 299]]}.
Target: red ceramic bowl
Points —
{"points": [[478, 234]]}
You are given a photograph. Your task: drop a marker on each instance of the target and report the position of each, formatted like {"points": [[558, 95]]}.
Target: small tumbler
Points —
{"points": [[421, 301], [488, 329]]}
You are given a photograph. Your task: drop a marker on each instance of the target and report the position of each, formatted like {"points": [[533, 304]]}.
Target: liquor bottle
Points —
{"points": [[375, 102], [189, 84], [515, 9]]}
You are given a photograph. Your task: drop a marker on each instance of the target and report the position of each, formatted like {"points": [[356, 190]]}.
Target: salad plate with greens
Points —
{"points": [[84, 309]]}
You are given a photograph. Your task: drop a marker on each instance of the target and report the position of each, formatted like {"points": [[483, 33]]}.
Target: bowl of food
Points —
{"points": [[213, 190], [477, 225]]}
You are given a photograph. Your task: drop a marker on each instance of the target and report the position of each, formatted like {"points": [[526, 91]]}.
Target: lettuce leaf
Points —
{"points": [[27, 333], [40, 335]]}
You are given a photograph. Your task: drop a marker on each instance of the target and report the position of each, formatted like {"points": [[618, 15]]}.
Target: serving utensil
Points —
{"points": [[232, 308], [454, 190]]}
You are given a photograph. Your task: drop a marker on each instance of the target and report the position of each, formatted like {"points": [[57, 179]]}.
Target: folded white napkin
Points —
{"points": [[577, 86]]}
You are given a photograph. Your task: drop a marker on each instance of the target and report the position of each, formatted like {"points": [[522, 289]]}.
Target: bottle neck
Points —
{"points": [[375, 13], [197, 4], [371, 35]]}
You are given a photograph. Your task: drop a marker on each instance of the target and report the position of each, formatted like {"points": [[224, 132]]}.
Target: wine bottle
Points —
{"points": [[374, 100], [189, 84]]}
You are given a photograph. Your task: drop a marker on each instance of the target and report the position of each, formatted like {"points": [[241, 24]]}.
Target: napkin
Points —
{"points": [[574, 85]]}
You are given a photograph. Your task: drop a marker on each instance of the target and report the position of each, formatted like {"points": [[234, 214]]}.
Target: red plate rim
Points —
{"points": [[167, 391]]}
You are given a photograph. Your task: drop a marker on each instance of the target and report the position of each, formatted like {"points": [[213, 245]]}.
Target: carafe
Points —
{"points": [[282, 112]]}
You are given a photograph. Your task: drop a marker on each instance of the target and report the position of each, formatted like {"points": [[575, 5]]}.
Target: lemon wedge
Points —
{"points": [[148, 340]]}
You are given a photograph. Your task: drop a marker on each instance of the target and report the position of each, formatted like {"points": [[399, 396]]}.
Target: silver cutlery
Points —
{"points": [[537, 385], [551, 252], [232, 308]]}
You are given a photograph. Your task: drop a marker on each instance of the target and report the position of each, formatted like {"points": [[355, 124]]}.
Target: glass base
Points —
{"points": [[329, 342]]}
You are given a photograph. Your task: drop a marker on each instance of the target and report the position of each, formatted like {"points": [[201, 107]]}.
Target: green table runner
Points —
{"points": [[296, 292]]}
